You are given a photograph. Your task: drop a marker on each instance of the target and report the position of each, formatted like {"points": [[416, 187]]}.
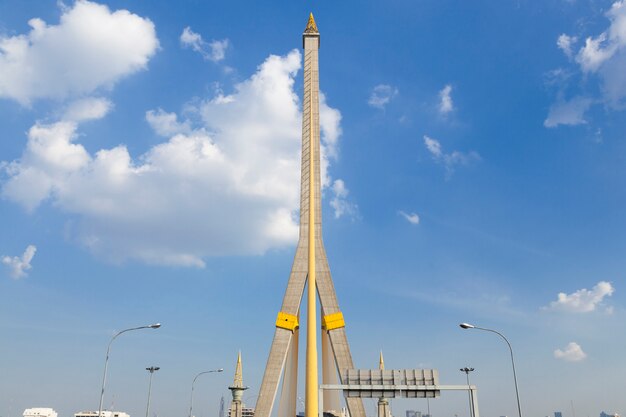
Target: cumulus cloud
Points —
{"points": [[91, 47], [449, 160], [412, 218], [233, 191], [571, 353], [445, 100], [570, 112], [214, 51], [600, 49], [602, 59], [565, 44], [584, 300], [381, 95], [19, 265], [90, 108], [166, 124], [340, 202]]}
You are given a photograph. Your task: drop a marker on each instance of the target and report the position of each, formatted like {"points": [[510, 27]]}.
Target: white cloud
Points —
{"points": [[218, 49], [449, 160], [19, 265], [445, 100], [565, 43], [593, 54], [231, 192], [433, 146], [91, 108], [211, 51], [381, 95], [606, 55], [412, 218], [572, 353], [570, 112], [167, 124], [584, 300], [601, 58], [330, 124], [340, 202], [90, 48]]}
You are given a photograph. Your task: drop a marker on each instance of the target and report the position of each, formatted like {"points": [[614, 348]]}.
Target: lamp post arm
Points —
{"points": [[192, 384], [106, 363], [194, 381], [519, 407]]}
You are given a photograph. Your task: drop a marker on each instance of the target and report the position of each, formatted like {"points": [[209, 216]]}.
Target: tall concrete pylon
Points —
{"points": [[284, 351]]}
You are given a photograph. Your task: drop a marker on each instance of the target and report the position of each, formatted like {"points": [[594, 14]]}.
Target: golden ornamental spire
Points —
{"points": [[381, 362], [311, 27], [238, 382]]}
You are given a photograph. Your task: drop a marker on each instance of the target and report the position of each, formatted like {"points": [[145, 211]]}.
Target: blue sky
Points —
{"points": [[475, 158]]}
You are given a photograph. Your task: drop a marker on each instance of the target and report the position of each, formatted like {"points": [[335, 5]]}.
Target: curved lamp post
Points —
{"points": [[194, 381], [151, 369], [471, 326], [106, 360]]}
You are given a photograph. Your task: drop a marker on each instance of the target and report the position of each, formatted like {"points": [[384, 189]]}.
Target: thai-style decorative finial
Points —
{"points": [[238, 382], [311, 27], [238, 388]]}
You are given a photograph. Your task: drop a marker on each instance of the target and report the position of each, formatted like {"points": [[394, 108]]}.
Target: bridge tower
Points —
{"points": [[310, 267]]}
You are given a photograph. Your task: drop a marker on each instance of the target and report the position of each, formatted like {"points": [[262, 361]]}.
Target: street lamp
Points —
{"points": [[194, 381], [469, 391], [471, 326], [106, 360], [151, 369]]}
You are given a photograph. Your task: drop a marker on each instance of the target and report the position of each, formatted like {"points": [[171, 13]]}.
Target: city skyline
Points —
{"points": [[473, 170]]}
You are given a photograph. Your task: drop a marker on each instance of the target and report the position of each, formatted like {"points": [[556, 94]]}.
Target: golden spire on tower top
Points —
{"points": [[381, 361], [238, 382], [311, 27]]}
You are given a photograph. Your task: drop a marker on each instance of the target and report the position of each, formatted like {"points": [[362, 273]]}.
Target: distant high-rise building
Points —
{"points": [[413, 413], [558, 414], [39, 412]]}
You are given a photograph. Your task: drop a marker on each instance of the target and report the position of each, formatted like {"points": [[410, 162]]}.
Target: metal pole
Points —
{"points": [[471, 326], [192, 384], [151, 370], [106, 360], [469, 391]]}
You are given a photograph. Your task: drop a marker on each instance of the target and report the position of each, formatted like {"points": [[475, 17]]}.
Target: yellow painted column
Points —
{"points": [[311, 397], [312, 380]]}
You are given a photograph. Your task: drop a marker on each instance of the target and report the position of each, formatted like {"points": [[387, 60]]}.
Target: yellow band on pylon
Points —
{"points": [[333, 321], [287, 321]]}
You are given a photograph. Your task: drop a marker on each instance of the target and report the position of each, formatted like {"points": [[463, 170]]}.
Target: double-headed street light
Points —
{"points": [[471, 326], [106, 360], [194, 381], [151, 369], [469, 391]]}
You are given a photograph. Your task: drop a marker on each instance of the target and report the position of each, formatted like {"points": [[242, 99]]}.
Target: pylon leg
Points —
{"points": [[338, 338], [282, 337], [289, 393], [332, 400]]}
